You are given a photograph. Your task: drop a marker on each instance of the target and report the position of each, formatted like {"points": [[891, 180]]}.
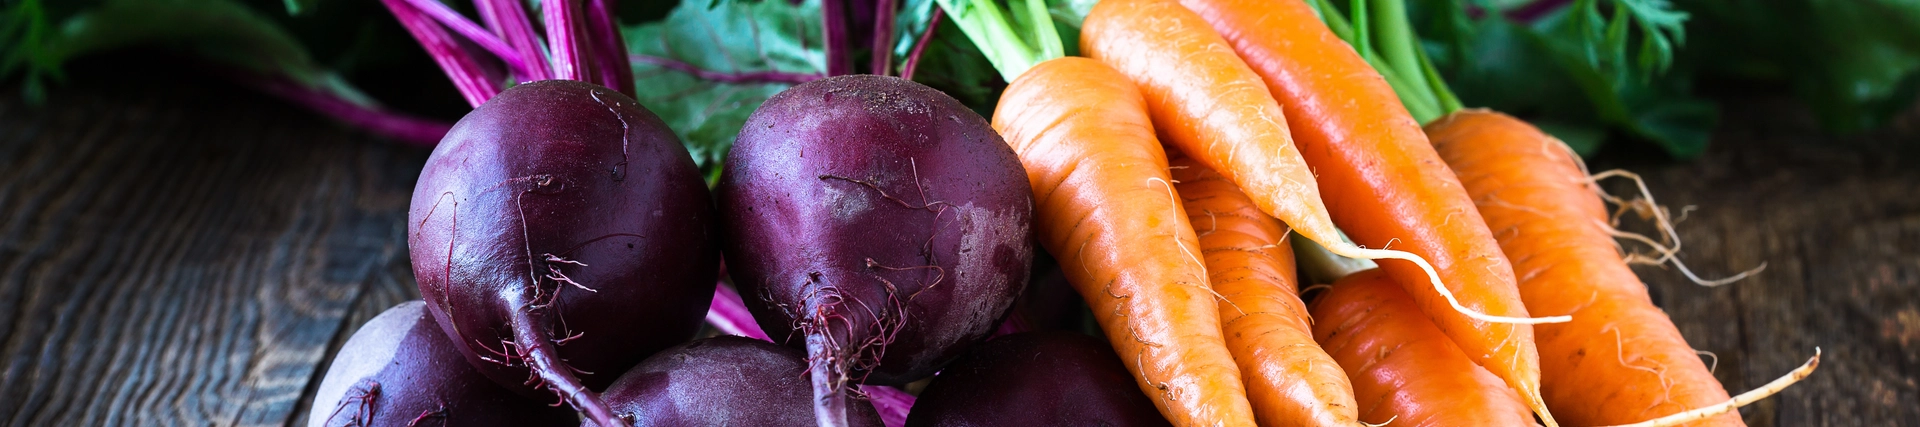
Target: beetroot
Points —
{"points": [[1035, 379], [560, 234], [876, 222], [721, 381], [399, 370]]}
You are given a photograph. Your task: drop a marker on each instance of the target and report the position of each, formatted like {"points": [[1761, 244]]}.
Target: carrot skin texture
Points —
{"points": [[1403, 369], [1106, 209], [1384, 184], [1290, 380], [1207, 103], [1620, 360]]}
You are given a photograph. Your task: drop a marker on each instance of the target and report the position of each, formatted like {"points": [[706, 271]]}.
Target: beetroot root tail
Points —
{"points": [[542, 356], [829, 381]]}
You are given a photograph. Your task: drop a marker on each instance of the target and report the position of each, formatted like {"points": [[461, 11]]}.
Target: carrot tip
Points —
{"points": [[1355, 251], [1736, 402]]}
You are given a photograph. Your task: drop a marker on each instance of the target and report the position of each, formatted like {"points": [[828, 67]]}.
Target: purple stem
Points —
{"points": [[892, 404], [729, 314], [1530, 12], [460, 67], [920, 46], [833, 18], [466, 28], [883, 37], [508, 19], [1014, 324], [609, 47], [405, 128], [563, 36], [725, 77]]}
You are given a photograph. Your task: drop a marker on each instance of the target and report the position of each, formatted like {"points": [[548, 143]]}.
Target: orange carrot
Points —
{"points": [[1404, 371], [1620, 360], [1382, 180], [1106, 209], [1290, 380]]}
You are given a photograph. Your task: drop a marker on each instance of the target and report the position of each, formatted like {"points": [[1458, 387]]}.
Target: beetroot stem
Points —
{"points": [[920, 46], [466, 74], [833, 22], [829, 381], [508, 18], [466, 28], [406, 128], [883, 37], [609, 47], [563, 36], [542, 356], [729, 314]]}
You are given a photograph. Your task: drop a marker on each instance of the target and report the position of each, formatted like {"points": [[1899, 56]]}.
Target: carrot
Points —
{"points": [[1290, 380], [1621, 359], [1382, 180], [1106, 209], [1404, 371]]}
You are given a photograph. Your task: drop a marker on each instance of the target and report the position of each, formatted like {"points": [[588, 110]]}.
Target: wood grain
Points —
{"points": [[1837, 221], [184, 253]]}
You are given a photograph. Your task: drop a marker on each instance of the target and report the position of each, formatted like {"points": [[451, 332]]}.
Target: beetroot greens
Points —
{"points": [[876, 222]]}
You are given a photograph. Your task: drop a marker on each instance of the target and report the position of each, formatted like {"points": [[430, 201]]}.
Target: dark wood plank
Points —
{"points": [[182, 253], [1838, 224]]}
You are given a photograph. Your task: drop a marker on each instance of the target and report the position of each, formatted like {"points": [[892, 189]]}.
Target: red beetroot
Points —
{"points": [[399, 370], [560, 234], [1035, 379], [722, 381], [879, 224]]}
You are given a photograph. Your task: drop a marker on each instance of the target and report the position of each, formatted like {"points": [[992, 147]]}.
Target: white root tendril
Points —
{"points": [[1737, 401], [1669, 248], [1716, 359], [1351, 250], [1382, 423]]}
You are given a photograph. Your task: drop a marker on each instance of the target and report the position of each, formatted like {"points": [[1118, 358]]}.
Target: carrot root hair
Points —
{"points": [[1350, 250], [1736, 402], [1382, 423], [1668, 249]]}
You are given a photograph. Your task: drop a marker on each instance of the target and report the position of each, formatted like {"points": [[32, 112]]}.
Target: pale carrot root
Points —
{"points": [[1764, 391]]}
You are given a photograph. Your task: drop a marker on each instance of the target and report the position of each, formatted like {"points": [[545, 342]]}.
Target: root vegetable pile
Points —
{"points": [[879, 231]]}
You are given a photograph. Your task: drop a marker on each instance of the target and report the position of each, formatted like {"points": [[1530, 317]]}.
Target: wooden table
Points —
{"points": [[181, 252]]}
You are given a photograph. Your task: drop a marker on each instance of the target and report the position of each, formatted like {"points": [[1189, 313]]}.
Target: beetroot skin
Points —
{"points": [[882, 223], [399, 370], [1035, 379], [561, 234], [723, 381]]}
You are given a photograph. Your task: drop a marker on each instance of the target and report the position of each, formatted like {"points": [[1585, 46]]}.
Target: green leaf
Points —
{"points": [[1854, 62], [1071, 13], [951, 63], [727, 36], [296, 7], [223, 31], [1571, 69]]}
